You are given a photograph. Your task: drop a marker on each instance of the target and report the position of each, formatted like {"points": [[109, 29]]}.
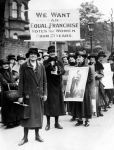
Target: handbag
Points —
{"points": [[12, 95], [21, 110]]}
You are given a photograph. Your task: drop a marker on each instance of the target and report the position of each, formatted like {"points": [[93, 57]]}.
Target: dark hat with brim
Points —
{"points": [[32, 50], [4, 61], [20, 57], [110, 58], [81, 53], [51, 49], [92, 55], [71, 55], [10, 57], [101, 54]]}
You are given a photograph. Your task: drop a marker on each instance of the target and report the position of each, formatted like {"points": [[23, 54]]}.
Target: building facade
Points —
{"points": [[16, 17]]}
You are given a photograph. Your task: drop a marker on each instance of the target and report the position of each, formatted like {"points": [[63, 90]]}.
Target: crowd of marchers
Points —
{"points": [[38, 77]]}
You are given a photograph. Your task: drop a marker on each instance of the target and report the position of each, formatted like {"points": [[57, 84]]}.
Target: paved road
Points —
{"points": [[98, 136]]}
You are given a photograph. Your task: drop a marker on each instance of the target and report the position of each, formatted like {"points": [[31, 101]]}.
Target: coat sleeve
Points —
{"points": [[61, 68], [44, 82], [21, 81], [3, 81], [100, 75], [90, 76]]}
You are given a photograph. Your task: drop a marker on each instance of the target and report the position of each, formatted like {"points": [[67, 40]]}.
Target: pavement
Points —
{"points": [[98, 136]]}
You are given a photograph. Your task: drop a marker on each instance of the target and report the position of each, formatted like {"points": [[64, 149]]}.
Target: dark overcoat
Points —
{"points": [[8, 116], [33, 84], [84, 109], [100, 93], [54, 106]]}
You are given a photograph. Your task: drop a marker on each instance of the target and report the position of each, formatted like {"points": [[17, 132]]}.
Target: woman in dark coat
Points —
{"points": [[100, 57], [83, 109], [98, 76], [33, 91], [54, 106], [9, 119]]}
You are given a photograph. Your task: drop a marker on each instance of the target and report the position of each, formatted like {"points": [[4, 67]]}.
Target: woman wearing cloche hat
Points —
{"points": [[83, 109], [101, 56], [9, 119], [98, 76], [12, 59], [33, 91], [54, 106]]}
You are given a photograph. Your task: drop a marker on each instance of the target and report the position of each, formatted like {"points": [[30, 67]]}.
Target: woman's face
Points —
{"points": [[33, 56], [65, 60], [101, 58], [52, 54], [110, 61], [12, 61], [71, 59], [46, 57], [5, 66], [20, 62], [80, 59], [92, 60]]}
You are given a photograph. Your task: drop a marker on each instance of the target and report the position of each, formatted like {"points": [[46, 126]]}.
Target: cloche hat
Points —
{"points": [[32, 50], [101, 54]]}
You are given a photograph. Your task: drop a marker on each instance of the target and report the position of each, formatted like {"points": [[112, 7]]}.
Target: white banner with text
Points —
{"points": [[54, 25]]}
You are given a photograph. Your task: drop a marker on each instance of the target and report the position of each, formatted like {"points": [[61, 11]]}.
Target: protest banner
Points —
{"points": [[107, 79], [54, 25], [76, 83]]}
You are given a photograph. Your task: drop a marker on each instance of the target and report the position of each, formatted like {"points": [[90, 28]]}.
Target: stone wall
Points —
{"points": [[15, 47]]}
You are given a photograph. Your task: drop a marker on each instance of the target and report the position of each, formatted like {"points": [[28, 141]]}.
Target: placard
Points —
{"points": [[107, 79], [76, 84]]}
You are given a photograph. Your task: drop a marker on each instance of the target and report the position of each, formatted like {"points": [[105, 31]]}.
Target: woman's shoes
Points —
{"points": [[109, 106], [47, 127], [100, 114], [23, 141], [58, 126], [72, 119], [39, 139], [80, 122], [87, 123]]}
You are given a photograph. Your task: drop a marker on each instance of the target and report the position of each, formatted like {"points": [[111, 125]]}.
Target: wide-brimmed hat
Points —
{"points": [[45, 54], [20, 57], [101, 54], [32, 50], [10, 57], [71, 55], [92, 55], [4, 61], [81, 53], [51, 49], [110, 58]]}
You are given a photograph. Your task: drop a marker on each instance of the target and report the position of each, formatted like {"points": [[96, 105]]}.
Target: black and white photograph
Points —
{"points": [[76, 84], [56, 74]]}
